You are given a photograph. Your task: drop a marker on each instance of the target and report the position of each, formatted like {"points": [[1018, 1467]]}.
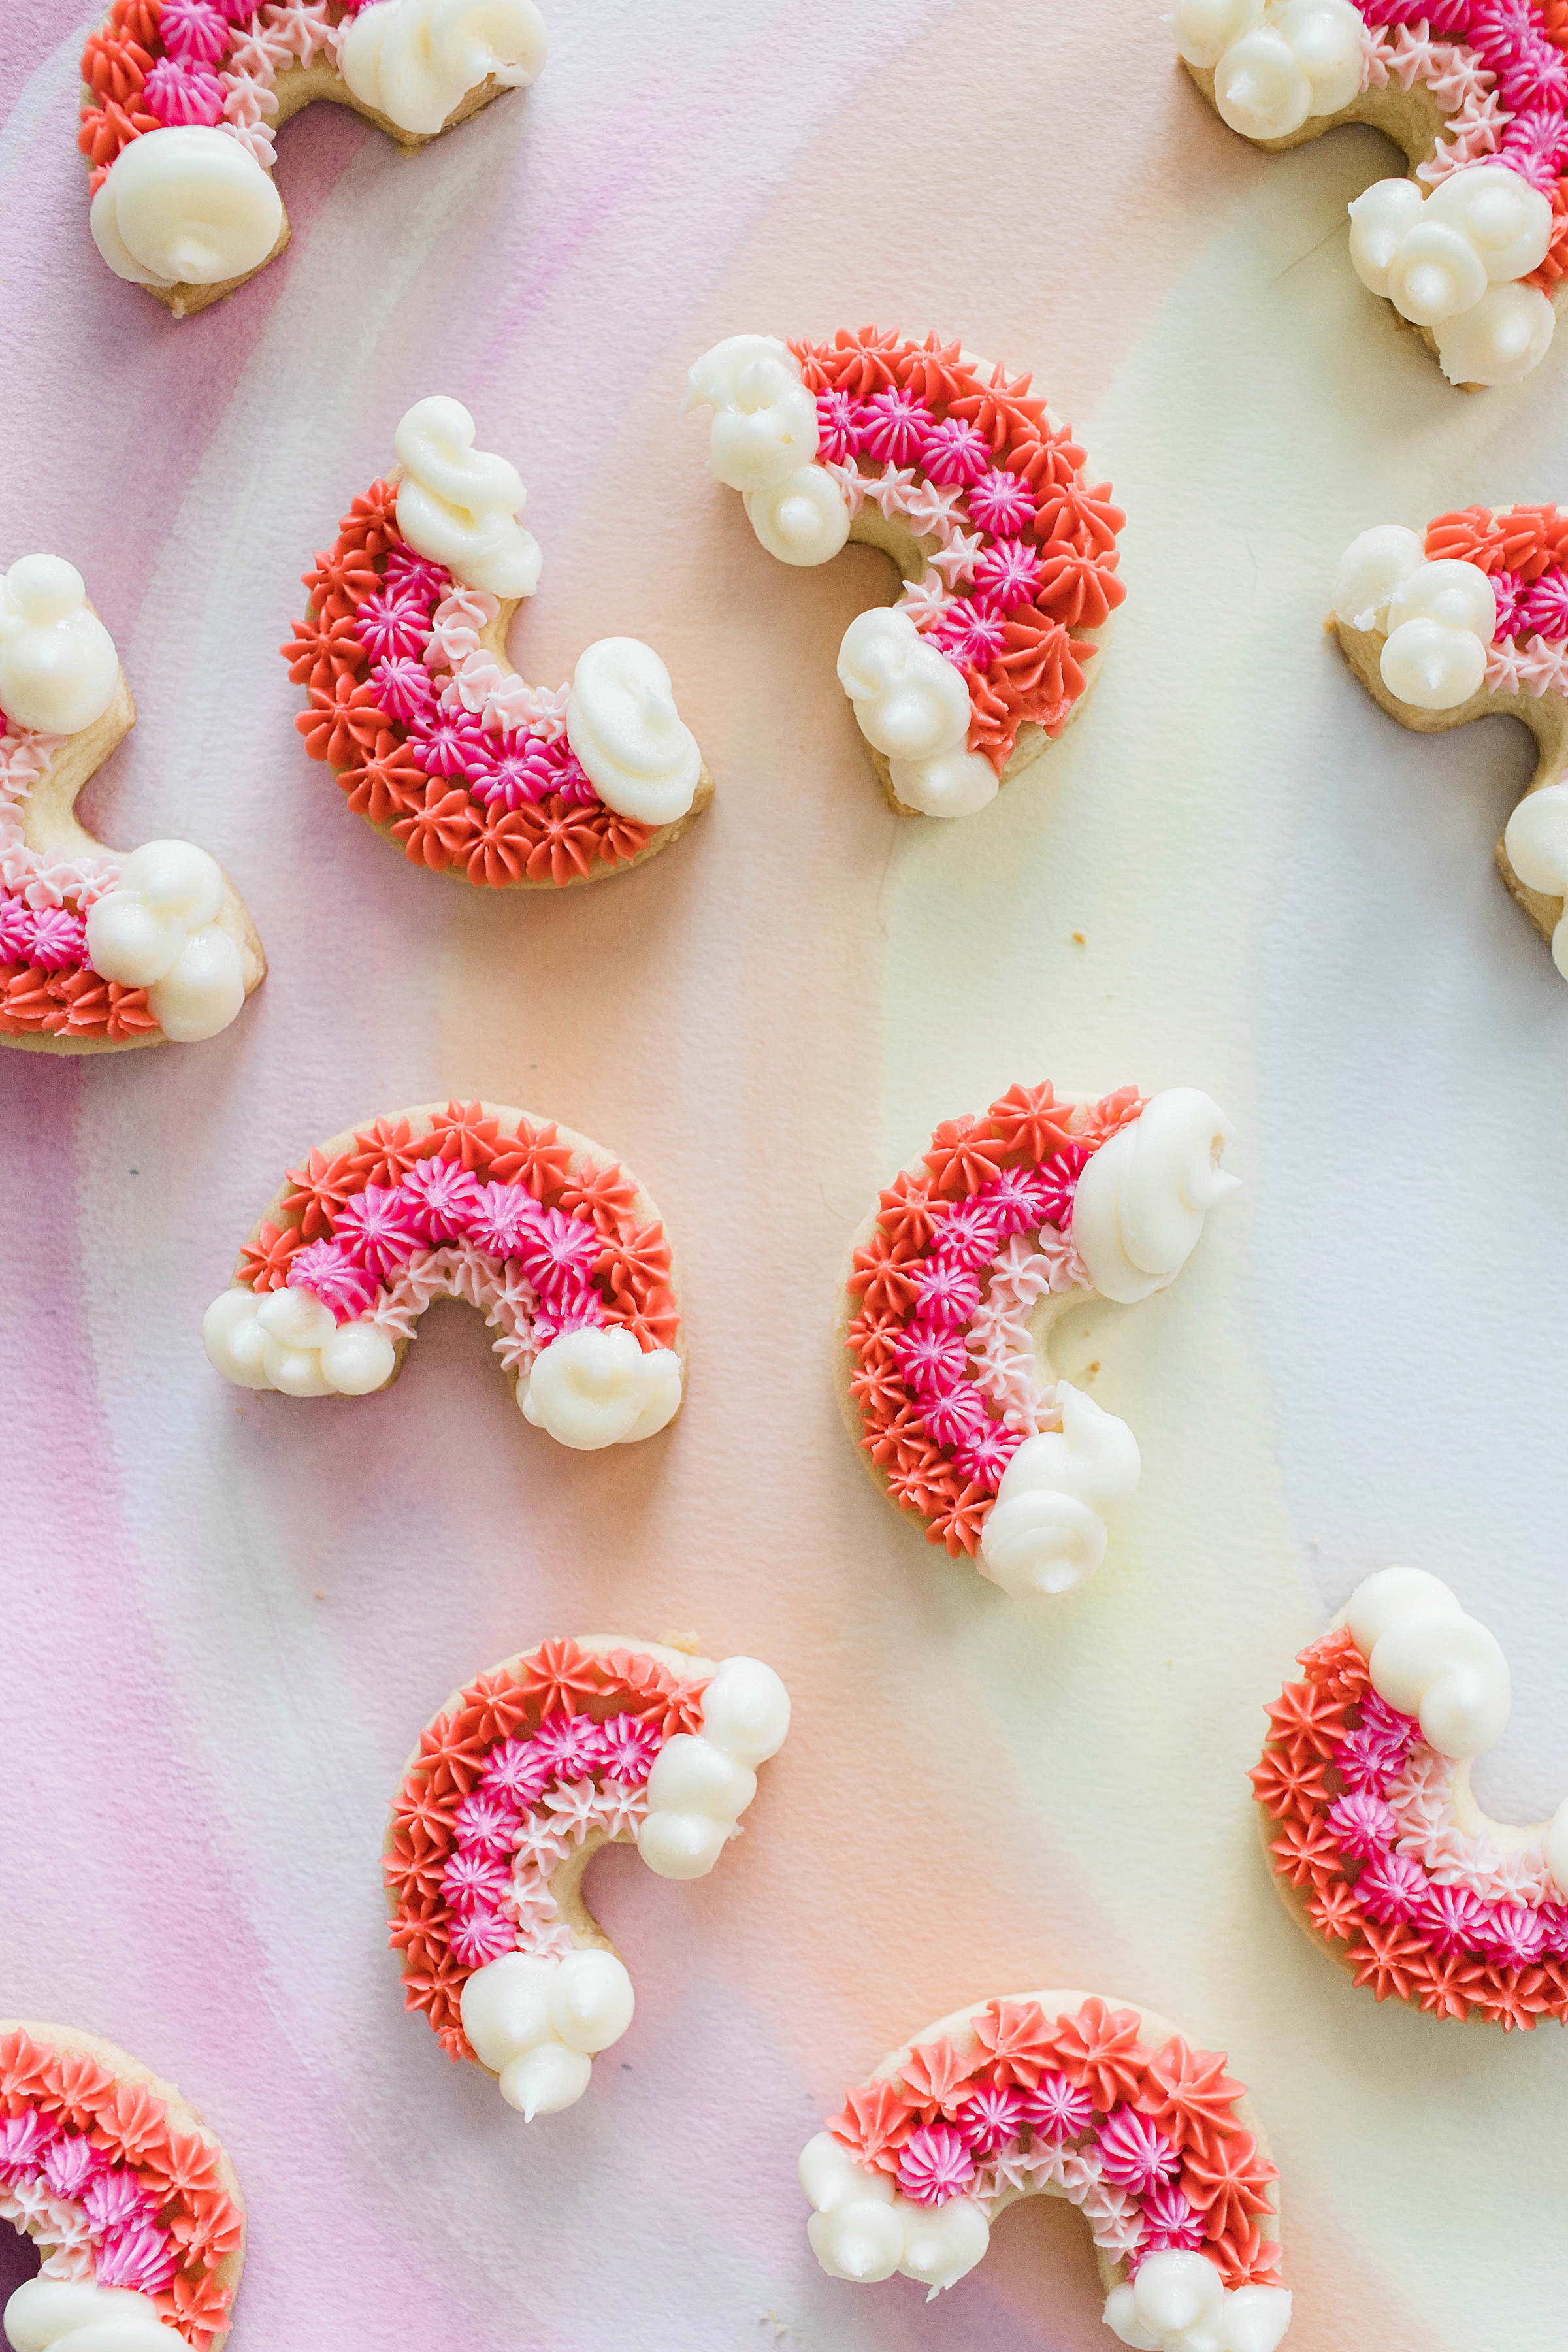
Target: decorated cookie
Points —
{"points": [[1471, 249], [1470, 621], [96, 952], [556, 1245], [130, 2199], [1378, 1843], [954, 1281], [429, 733], [181, 100], [1061, 2094], [512, 1791], [980, 496]]}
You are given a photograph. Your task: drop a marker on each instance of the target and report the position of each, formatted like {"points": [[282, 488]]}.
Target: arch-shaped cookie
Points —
{"points": [[97, 951], [1377, 1843], [1061, 2094], [1468, 621], [556, 1243], [181, 100], [1471, 249], [980, 497], [512, 1790], [131, 2201], [430, 735], [952, 1279]]}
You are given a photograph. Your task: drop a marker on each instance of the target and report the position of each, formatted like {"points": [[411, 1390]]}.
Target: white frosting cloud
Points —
{"points": [[622, 725], [458, 504], [1178, 2303], [1045, 1531], [538, 2021], [1452, 261], [1141, 1202], [1275, 62], [909, 700], [599, 1387], [703, 1782], [158, 929], [185, 206], [802, 519], [1428, 1659], [288, 1339], [1536, 841], [1440, 618], [862, 2229], [765, 426], [417, 61], [45, 2312], [59, 669]]}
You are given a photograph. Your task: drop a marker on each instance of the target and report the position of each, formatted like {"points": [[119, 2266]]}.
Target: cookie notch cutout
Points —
{"points": [[181, 101], [1061, 2094], [431, 734], [1378, 1846], [512, 1790], [131, 2201], [1470, 621], [1470, 249], [944, 1318], [980, 497], [98, 952]]}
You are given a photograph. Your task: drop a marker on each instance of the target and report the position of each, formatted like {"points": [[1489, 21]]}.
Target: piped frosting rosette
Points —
{"points": [[1468, 621], [181, 100], [131, 2203], [1007, 550], [512, 1790], [1375, 1836], [1061, 2094], [429, 733], [554, 1243], [1471, 249], [953, 1280], [98, 952]]}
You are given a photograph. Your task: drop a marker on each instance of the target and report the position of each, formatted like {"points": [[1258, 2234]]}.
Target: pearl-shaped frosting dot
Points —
{"points": [[544, 2080], [1371, 569], [1505, 220], [78, 2315], [1501, 341], [1260, 88], [592, 2000], [128, 941], [1458, 594], [1436, 274], [941, 2242], [1433, 666]]}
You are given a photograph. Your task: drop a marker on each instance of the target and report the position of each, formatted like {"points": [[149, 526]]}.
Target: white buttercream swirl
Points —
{"points": [[1275, 62], [458, 505], [185, 206], [910, 702], [417, 61], [1143, 1198], [622, 725], [1430, 1660], [1045, 1531], [764, 424]]}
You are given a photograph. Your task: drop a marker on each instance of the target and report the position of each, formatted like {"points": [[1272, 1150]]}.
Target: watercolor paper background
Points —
{"points": [[226, 1617]]}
